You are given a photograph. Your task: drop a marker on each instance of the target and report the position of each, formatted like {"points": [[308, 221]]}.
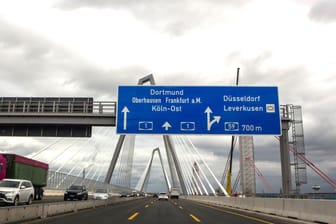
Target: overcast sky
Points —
{"points": [[88, 48]]}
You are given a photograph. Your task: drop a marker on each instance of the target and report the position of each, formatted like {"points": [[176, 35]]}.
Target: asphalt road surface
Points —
{"points": [[152, 211]]}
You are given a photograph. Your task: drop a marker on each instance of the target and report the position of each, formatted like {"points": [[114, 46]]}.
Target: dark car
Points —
{"points": [[124, 195], [78, 192]]}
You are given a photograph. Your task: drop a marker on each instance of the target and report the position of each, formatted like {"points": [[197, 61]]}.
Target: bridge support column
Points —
{"points": [[148, 168], [171, 152], [114, 159], [172, 169], [150, 79]]}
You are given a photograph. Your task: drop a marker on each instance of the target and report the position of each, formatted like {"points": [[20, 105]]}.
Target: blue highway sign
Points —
{"points": [[230, 110]]}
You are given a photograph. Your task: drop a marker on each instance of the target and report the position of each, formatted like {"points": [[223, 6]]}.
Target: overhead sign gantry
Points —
{"points": [[54, 116], [198, 110]]}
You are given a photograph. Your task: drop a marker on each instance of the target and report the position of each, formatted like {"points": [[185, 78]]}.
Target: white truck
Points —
{"points": [[174, 193]]}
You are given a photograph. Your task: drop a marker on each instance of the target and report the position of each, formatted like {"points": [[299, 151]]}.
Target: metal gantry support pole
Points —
{"points": [[285, 158]]}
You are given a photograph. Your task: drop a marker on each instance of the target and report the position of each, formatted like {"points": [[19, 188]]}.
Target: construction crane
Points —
{"points": [[229, 173]]}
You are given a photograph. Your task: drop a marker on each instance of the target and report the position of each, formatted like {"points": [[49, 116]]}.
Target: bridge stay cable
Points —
{"points": [[194, 164], [208, 168], [196, 167], [193, 180]]}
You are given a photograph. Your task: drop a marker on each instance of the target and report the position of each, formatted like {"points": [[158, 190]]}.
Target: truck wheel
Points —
{"points": [[30, 200], [16, 201], [35, 194], [38, 193]]}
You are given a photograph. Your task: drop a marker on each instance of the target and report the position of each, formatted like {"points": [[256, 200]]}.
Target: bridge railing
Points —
{"points": [[55, 105], [103, 107]]}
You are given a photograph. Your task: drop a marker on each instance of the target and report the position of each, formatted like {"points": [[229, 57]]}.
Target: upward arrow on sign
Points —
{"points": [[166, 125], [125, 111]]}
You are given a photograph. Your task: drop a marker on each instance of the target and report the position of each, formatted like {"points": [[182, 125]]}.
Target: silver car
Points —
{"points": [[15, 191]]}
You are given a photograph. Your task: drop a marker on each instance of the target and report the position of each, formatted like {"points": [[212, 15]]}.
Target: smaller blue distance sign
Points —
{"points": [[230, 110]]}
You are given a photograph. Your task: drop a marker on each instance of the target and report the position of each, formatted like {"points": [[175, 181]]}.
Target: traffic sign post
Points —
{"points": [[198, 110]]}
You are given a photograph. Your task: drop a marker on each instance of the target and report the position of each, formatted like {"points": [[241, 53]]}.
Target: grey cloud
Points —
{"points": [[21, 149], [174, 17], [323, 11], [26, 58], [325, 142], [29, 60], [145, 4], [218, 145], [19, 43], [104, 82]]}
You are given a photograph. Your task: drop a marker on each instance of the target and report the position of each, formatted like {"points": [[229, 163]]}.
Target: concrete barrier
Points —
{"points": [[313, 210], [271, 205], [12, 214], [40, 211]]}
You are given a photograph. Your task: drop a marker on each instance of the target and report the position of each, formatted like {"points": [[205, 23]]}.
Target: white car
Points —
{"points": [[102, 194], [163, 196], [15, 191]]}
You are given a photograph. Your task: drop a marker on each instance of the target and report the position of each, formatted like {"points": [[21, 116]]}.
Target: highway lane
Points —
{"points": [[152, 211]]}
